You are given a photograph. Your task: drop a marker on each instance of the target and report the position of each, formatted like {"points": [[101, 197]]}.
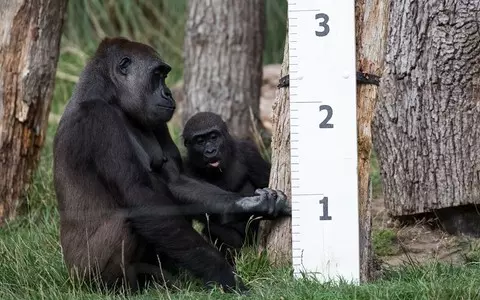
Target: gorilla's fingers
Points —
{"points": [[281, 196], [268, 199]]}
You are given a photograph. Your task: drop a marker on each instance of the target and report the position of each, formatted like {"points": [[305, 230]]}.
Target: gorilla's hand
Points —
{"points": [[267, 202]]}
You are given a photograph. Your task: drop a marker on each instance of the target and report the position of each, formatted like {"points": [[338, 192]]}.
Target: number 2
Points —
{"points": [[329, 110], [325, 216], [323, 24]]}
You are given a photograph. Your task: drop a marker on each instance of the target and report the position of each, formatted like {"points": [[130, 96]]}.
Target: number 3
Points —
{"points": [[323, 24]]}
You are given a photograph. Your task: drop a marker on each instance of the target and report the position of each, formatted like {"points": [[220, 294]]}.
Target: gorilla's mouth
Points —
{"points": [[214, 164], [168, 107]]}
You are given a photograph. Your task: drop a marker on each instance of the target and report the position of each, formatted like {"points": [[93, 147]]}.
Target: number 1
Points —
{"points": [[325, 216]]}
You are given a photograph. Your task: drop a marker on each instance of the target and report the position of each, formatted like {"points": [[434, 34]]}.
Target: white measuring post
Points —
{"points": [[325, 220]]}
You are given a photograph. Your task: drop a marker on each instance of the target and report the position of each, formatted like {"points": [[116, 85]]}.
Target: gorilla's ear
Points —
{"points": [[185, 141]]}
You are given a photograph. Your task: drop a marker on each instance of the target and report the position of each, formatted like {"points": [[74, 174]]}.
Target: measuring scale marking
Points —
{"points": [[325, 229]]}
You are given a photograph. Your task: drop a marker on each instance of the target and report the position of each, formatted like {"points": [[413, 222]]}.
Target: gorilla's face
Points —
{"points": [[139, 76], [207, 149]]}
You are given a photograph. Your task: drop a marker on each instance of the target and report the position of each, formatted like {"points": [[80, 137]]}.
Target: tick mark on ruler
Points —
{"points": [[303, 10]]}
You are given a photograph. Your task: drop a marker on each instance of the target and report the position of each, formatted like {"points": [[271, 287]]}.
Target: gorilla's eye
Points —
{"points": [[213, 136], [200, 141], [160, 73]]}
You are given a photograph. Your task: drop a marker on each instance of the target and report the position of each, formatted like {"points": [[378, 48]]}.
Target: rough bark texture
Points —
{"points": [[427, 126], [276, 236], [371, 29], [29, 48], [223, 61]]}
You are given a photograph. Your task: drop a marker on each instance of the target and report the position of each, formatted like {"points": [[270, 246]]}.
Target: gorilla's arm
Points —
{"points": [[191, 191], [266, 202], [114, 160]]}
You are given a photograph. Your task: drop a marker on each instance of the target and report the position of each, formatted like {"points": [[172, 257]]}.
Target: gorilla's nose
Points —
{"points": [[209, 153], [166, 93]]}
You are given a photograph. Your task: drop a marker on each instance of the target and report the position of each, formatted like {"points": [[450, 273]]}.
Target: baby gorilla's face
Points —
{"points": [[207, 150]]}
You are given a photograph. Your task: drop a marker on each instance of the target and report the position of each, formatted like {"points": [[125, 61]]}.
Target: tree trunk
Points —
{"points": [[371, 24], [276, 236], [29, 50], [427, 126], [223, 61], [371, 29]]}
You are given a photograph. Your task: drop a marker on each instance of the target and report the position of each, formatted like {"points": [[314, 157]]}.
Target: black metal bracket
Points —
{"points": [[366, 78], [362, 78], [284, 81]]}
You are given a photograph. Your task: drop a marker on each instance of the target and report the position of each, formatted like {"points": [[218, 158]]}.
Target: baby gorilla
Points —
{"points": [[213, 155]]}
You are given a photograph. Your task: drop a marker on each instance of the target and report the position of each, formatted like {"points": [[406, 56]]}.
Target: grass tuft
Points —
{"points": [[384, 242]]}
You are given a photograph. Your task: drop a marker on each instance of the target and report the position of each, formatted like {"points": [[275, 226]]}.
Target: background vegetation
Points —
{"points": [[31, 265], [158, 23]]}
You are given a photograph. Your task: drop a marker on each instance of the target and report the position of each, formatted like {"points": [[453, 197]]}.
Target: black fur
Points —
{"points": [[213, 155], [124, 201]]}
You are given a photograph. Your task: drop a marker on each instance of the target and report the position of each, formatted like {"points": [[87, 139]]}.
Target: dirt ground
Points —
{"points": [[420, 243]]}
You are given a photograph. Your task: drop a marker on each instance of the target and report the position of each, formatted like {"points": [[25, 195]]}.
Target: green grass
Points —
{"points": [[157, 23], [31, 265], [384, 242]]}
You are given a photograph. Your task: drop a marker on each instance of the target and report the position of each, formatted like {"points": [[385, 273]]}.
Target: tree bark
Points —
{"points": [[371, 25], [276, 236], [427, 126], [223, 61], [371, 29], [29, 50]]}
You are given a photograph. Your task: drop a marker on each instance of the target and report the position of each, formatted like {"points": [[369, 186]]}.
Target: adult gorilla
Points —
{"points": [[124, 201]]}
